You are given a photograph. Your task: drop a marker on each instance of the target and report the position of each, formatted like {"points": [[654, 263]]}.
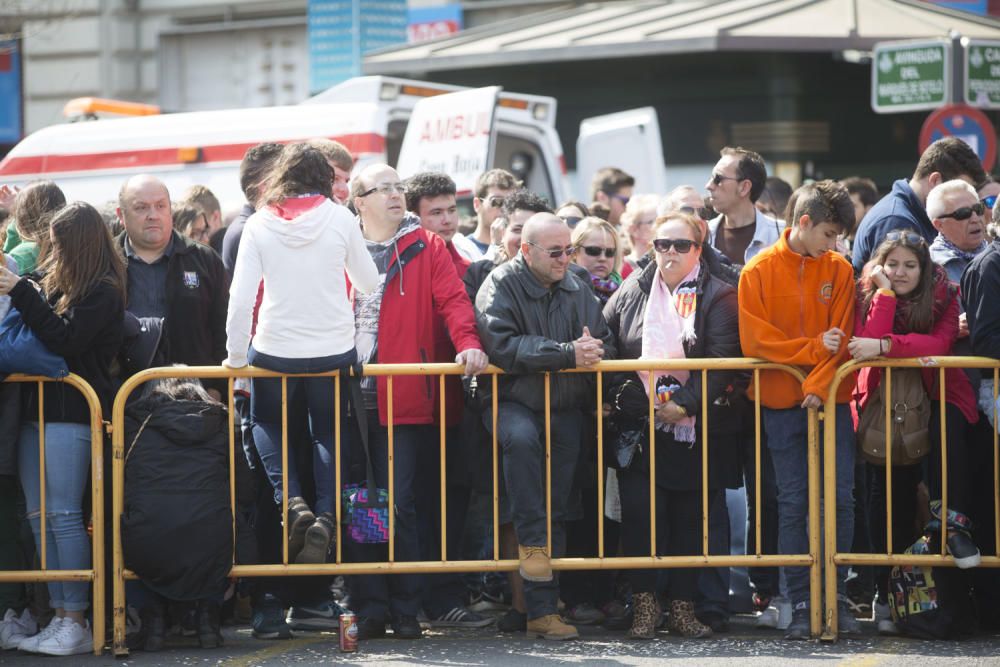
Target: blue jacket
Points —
{"points": [[900, 209]]}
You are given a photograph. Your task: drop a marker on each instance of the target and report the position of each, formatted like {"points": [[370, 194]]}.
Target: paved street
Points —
{"points": [[596, 648]]}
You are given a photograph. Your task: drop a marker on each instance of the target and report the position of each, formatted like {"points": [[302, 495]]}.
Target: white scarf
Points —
{"points": [[668, 323]]}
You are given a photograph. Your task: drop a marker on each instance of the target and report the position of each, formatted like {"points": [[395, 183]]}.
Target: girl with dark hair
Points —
{"points": [[28, 235], [908, 308], [77, 311], [299, 243]]}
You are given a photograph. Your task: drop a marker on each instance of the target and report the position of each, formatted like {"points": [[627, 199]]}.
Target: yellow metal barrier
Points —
{"points": [[811, 560], [95, 574], [832, 557]]}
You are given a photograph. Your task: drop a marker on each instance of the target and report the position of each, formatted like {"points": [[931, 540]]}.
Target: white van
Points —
{"points": [[90, 160]]}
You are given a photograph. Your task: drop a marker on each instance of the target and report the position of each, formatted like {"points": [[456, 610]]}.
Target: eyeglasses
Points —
{"points": [[571, 220], [965, 212], [989, 202], [718, 178], [555, 254], [682, 246], [595, 251], [910, 238], [495, 202], [387, 189], [690, 210], [622, 198]]}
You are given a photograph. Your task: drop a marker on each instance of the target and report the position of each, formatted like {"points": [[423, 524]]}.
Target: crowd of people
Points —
{"points": [[327, 271]]}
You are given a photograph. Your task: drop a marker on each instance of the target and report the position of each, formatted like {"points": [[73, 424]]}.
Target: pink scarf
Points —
{"points": [[669, 323]]}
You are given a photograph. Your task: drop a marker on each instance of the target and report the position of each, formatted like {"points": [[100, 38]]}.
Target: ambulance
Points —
{"points": [[413, 124]]}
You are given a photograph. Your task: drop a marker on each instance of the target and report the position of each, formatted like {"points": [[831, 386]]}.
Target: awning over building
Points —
{"points": [[604, 30]]}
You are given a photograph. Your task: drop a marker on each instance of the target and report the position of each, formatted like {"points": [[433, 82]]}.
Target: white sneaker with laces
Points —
{"points": [[768, 618], [883, 619], [16, 628], [30, 644], [70, 639]]}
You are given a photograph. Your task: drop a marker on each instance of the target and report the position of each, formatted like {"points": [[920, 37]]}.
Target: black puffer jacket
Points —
{"points": [[717, 336], [527, 328], [177, 525]]}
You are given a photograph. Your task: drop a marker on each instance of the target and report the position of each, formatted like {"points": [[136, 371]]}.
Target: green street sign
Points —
{"points": [[982, 73], [911, 76]]}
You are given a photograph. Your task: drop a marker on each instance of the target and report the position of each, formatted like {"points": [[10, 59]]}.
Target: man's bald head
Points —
{"points": [[140, 182], [539, 224], [144, 209]]}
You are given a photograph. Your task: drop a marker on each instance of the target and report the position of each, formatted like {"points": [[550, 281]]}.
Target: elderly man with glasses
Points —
{"points": [[398, 323], [534, 315]]}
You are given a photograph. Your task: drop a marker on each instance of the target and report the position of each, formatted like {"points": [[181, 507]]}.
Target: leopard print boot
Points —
{"points": [[683, 621], [645, 615]]}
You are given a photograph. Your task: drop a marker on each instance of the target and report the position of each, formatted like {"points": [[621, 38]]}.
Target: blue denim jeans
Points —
{"points": [[265, 415], [67, 465], [787, 439]]}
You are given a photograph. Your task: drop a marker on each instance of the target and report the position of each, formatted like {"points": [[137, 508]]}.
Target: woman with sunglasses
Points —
{"points": [[595, 242], [674, 309], [908, 308]]}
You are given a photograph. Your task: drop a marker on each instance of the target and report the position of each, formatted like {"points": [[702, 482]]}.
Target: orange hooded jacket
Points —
{"points": [[787, 302]]}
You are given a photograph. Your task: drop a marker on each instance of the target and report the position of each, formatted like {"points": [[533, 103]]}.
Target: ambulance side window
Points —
{"points": [[394, 139], [523, 158]]}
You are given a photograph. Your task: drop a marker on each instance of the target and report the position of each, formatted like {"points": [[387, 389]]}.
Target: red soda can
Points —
{"points": [[348, 632]]}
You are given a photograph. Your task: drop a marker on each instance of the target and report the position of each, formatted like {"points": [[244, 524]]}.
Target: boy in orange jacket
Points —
{"points": [[797, 307]]}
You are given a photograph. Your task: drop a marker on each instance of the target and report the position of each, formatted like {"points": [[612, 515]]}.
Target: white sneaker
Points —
{"points": [[30, 644], [14, 628], [883, 618], [70, 639]]}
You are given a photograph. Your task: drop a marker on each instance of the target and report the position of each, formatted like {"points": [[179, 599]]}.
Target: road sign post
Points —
{"points": [[911, 76]]}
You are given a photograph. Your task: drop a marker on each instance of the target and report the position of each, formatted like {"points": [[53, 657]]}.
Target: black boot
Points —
{"points": [[154, 625], [209, 634], [300, 518], [318, 538]]}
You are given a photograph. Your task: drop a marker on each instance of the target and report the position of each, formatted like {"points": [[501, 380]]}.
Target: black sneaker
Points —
{"points": [[847, 624], [269, 620], [798, 629], [324, 615], [963, 550], [513, 621], [369, 628], [460, 617], [406, 627], [717, 622]]}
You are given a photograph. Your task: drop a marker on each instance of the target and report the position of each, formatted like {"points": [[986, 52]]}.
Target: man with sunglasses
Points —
{"points": [[535, 315], [959, 218], [612, 187], [905, 206], [492, 189], [740, 230]]}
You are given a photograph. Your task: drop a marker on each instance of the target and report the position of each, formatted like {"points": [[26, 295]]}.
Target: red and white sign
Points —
{"points": [[419, 32], [452, 134]]}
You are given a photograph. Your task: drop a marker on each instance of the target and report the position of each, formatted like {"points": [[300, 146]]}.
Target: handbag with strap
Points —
{"points": [[366, 507], [22, 352], [910, 415]]}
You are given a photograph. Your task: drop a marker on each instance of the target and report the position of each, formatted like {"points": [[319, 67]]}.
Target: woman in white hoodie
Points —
{"points": [[295, 249]]}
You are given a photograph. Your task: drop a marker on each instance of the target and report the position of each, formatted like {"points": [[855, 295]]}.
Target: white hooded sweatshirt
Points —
{"points": [[306, 311]]}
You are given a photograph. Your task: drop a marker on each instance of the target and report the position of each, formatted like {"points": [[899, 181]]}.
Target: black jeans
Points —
{"points": [[414, 453], [521, 438], [904, 514], [678, 531], [962, 438], [764, 579]]}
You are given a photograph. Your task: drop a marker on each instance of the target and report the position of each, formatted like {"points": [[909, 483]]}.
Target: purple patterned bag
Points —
{"points": [[367, 522]]}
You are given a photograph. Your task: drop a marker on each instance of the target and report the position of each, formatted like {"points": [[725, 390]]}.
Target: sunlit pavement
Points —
{"points": [[743, 643]]}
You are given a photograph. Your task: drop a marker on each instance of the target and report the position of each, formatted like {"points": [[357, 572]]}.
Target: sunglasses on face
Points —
{"points": [[700, 212], [989, 202], [682, 246], [909, 238], [965, 212], [495, 202], [595, 251], [557, 253], [718, 178], [571, 220]]}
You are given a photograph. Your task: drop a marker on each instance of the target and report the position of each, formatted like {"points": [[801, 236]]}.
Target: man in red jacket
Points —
{"points": [[396, 323]]}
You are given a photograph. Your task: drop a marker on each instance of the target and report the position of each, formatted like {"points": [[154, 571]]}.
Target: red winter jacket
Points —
{"points": [[879, 324], [444, 352], [422, 290]]}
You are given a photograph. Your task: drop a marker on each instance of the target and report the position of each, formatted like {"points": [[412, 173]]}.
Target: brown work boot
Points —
{"points": [[535, 565], [551, 627], [683, 622], [645, 615]]}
